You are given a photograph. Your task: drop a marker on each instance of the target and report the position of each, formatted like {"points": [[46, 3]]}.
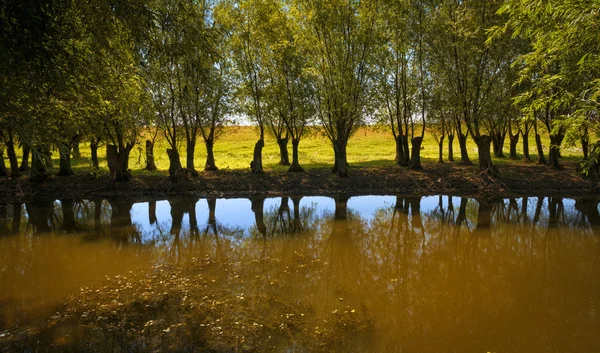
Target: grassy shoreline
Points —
{"points": [[373, 171]]}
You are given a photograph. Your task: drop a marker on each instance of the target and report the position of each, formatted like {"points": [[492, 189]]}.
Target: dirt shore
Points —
{"points": [[516, 179]]}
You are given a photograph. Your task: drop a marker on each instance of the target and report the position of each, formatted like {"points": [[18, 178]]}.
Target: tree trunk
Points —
{"points": [[514, 140], [585, 146], [94, 153], [48, 156], [441, 149], [150, 164], [283, 151], [189, 156], [464, 153], [415, 158], [39, 169], [65, 162], [540, 149], [450, 148], [3, 170], [485, 158], [175, 168], [526, 146], [554, 154], [118, 162], [12, 159], [210, 156], [406, 161], [25, 159], [341, 162], [498, 144], [399, 150], [256, 164], [295, 167]]}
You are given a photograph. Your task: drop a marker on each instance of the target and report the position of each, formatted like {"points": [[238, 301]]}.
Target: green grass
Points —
{"points": [[368, 147]]}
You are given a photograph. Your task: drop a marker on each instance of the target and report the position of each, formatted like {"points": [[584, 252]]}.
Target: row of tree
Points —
{"points": [[110, 72]]}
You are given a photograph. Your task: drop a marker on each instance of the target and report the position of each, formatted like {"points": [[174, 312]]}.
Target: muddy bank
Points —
{"points": [[518, 179]]}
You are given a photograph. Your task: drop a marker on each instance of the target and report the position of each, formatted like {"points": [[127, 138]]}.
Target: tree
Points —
{"points": [[560, 68], [341, 33], [245, 21], [290, 93]]}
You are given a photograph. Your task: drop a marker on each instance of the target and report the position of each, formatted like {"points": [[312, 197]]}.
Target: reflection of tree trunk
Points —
{"points": [[16, 219], [341, 207], [98, 216], [538, 210], [258, 203], [4, 230], [462, 211], [555, 211], [25, 158], [297, 221], [283, 214], [69, 224], [178, 207], [524, 218], [193, 219], [121, 226], [484, 220], [40, 213], [152, 212], [589, 209]]}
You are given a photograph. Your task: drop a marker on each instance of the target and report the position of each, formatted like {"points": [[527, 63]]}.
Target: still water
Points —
{"points": [[368, 273]]}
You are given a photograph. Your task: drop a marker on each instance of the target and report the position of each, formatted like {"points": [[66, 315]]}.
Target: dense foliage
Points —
{"points": [[115, 73]]}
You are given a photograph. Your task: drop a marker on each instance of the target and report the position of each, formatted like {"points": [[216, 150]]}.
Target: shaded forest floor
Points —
{"points": [[517, 178]]}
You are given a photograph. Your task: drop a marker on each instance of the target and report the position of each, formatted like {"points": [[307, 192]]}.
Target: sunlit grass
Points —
{"points": [[368, 147]]}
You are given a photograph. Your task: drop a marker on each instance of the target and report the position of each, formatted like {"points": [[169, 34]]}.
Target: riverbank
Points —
{"points": [[518, 178]]}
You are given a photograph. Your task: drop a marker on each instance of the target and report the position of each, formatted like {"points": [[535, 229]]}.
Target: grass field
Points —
{"points": [[368, 147]]}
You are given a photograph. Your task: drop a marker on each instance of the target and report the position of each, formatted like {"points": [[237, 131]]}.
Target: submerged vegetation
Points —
{"points": [[124, 76]]}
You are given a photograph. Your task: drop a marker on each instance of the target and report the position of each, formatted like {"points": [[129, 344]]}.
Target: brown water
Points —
{"points": [[373, 273]]}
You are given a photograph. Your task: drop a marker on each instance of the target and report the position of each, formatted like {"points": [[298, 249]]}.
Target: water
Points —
{"points": [[369, 273]]}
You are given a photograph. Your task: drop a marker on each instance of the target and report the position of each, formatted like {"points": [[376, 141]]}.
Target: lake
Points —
{"points": [[301, 274]]}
